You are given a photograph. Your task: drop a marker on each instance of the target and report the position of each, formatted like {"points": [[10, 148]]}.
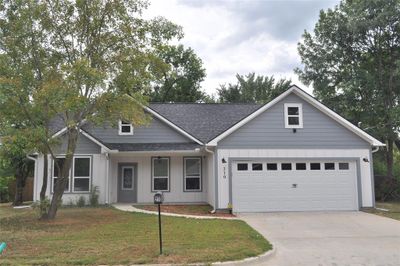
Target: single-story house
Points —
{"points": [[291, 154]]}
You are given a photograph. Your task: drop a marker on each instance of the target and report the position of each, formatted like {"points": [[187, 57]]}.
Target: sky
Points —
{"points": [[243, 36]]}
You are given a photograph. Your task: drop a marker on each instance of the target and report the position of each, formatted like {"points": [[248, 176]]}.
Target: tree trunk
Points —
{"points": [[389, 159], [45, 177], [62, 180], [19, 188]]}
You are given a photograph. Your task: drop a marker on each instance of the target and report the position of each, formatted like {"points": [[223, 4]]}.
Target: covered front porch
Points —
{"points": [[184, 176]]}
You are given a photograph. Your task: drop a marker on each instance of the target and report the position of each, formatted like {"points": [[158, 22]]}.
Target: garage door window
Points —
{"points": [[329, 166], [343, 166], [315, 166], [286, 166], [301, 166], [257, 166], [272, 166], [242, 167]]}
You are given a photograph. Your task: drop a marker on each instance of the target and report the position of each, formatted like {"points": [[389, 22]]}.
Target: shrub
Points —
{"points": [[4, 193], [81, 202], [94, 196], [42, 207]]}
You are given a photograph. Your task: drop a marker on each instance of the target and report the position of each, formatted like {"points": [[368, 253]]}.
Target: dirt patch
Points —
{"points": [[201, 210]]}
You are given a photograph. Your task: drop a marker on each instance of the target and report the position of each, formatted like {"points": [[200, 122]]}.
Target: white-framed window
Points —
{"points": [[160, 174], [127, 178], [125, 128], [293, 115], [82, 172], [56, 168], [192, 173]]}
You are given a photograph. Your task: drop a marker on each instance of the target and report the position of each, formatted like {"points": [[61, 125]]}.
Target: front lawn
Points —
{"points": [[107, 236], [392, 207]]}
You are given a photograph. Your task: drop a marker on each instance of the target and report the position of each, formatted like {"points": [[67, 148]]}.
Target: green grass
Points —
{"points": [[90, 236], [392, 207]]}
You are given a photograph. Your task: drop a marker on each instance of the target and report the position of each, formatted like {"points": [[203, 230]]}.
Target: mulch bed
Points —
{"points": [[200, 210]]}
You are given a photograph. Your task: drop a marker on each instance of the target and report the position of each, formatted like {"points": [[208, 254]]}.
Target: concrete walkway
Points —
{"points": [[129, 208], [329, 238]]}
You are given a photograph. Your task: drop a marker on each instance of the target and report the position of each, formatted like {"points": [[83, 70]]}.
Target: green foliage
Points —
{"points": [[41, 207], [4, 193], [181, 81], [94, 196], [252, 89], [352, 60], [81, 202], [380, 164]]}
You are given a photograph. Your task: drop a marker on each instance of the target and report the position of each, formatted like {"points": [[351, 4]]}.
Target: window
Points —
{"points": [[301, 166], [329, 166], [286, 166], [125, 128], [257, 166], [192, 174], [293, 115], [242, 167], [81, 174], [57, 166], [160, 174], [272, 166], [127, 178], [343, 166], [315, 166]]}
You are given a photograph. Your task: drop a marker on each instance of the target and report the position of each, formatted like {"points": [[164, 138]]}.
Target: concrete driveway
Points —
{"points": [[329, 238]]}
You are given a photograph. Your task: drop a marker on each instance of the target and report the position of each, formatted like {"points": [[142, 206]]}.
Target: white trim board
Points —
{"points": [[308, 98]]}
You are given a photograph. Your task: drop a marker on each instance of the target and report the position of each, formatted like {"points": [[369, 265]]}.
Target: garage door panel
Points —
{"points": [[294, 190]]}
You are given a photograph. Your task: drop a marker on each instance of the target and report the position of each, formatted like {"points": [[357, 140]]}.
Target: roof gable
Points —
{"points": [[312, 101]]}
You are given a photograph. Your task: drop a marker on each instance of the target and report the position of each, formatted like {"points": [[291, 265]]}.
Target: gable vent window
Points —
{"points": [[293, 115], [125, 128]]}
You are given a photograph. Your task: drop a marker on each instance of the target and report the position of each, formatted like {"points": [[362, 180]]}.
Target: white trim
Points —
{"points": [[73, 177], [122, 178], [121, 124], [286, 106], [371, 140], [185, 176], [154, 113]]}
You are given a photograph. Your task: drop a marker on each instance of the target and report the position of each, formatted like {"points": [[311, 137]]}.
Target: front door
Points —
{"points": [[127, 182]]}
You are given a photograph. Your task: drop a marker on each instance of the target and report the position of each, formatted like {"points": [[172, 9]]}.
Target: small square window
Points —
{"points": [[125, 128], [293, 110], [301, 166], [293, 115], [343, 166], [315, 166], [293, 121], [286, 166], [329, 166], [242, 167], [257, 167], [272, 166]]}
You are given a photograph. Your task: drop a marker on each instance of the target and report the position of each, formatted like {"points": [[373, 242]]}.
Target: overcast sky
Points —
{"points": [[242, 36]]}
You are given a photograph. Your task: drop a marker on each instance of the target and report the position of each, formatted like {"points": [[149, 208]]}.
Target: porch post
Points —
{"points": [[107, 178]]}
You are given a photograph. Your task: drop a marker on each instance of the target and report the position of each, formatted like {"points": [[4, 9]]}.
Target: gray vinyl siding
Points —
{"points": [[83, 146], [156, 132], [267, 130]]}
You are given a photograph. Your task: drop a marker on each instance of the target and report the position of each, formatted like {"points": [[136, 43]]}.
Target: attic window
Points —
{"points": [[125, 128], [293, 115]]}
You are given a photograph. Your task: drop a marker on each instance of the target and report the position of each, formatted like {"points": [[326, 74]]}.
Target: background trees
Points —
{"points": [[252, 88], [85, 61], [352, 59], [181, 81]]}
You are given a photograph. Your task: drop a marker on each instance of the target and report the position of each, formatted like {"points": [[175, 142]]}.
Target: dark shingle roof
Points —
{"points": [[152, 146], [204, 121]]}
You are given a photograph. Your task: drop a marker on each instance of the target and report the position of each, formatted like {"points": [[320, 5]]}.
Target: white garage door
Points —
{"points": [[313, 185]]}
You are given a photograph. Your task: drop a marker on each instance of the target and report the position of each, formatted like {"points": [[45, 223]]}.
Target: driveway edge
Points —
{"points": [[257, 259]]}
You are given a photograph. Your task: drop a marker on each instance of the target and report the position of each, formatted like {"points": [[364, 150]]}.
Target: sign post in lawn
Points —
{"points": [[158, 199]]}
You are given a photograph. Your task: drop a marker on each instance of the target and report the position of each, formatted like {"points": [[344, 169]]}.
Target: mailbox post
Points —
{"points": [[158, 199]]}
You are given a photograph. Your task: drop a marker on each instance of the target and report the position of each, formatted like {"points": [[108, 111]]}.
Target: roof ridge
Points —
{"points": [[172, 103]]}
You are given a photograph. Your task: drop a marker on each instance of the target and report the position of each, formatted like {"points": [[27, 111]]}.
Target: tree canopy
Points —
{"points": [[181, 81], [85, 61], [352, 59], [252, 88]]}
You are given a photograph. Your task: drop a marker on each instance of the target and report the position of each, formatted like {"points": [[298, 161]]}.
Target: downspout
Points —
{"points": [[375, 149], [213, 167], [35, 176], [107, 178]]}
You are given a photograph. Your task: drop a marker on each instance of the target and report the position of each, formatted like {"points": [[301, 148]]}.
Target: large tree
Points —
{"points": [[84, 61], [180, 82], [252, 88], [352, 59]]}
